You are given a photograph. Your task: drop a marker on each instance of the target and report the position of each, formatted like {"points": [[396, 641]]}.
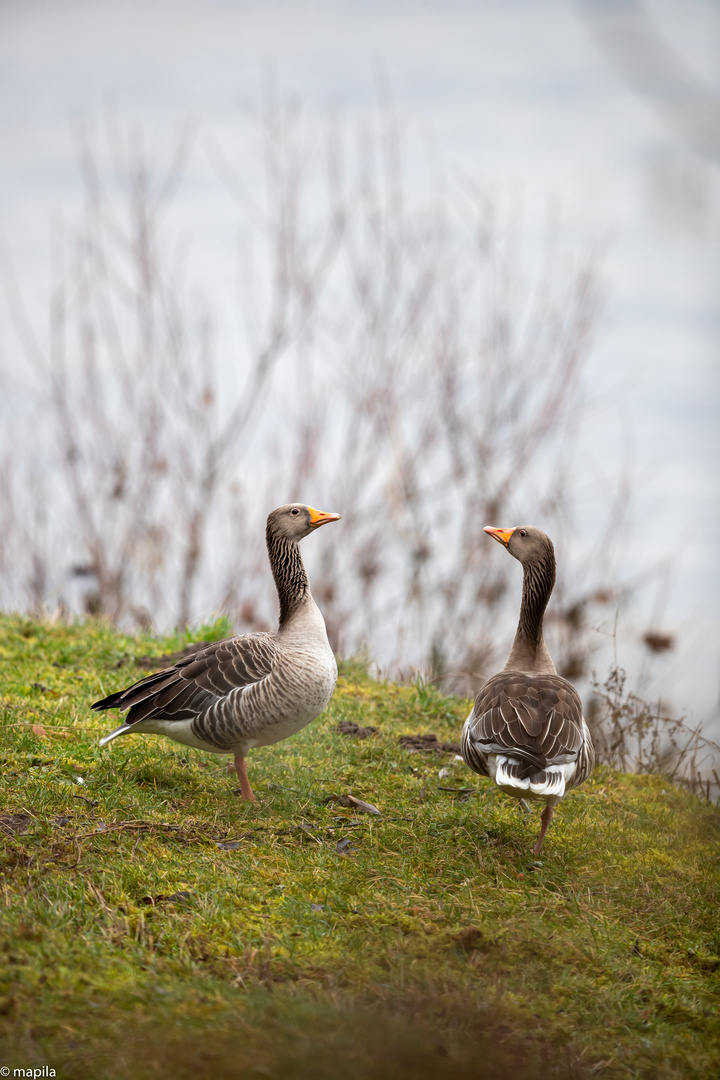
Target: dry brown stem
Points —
{"points": [[631, 735]]}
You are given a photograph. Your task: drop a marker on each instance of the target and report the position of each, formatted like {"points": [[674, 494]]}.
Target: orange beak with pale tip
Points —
{"points": [[502, 535], [319, 517]]}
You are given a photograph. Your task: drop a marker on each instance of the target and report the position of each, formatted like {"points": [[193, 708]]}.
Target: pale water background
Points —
{"points": [[520, 95]]}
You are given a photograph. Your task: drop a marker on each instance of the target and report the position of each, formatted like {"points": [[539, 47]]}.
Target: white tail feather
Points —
{"points": [[504, 778], [123, 730], [553, 786]]}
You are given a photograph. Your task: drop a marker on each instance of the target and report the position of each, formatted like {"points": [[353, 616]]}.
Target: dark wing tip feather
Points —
{"points": [[110, 702], [122, 699], [210, 672]]}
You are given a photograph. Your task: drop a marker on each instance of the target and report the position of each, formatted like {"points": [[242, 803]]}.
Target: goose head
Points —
{"points": [[296, 520], [525, 543]]}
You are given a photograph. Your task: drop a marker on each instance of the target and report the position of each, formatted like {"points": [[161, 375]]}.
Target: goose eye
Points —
{"points": [[523, 533], [295, 511]]}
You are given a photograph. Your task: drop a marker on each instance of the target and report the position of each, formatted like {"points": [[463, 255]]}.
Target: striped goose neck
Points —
{"points": [[291, 580], [529, 651]]}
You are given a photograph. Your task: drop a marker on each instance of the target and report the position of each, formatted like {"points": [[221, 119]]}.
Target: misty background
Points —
{"points": [[545, 171]]}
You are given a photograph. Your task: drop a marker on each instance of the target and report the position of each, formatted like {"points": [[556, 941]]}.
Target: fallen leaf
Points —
{"points": [[352, 801]]}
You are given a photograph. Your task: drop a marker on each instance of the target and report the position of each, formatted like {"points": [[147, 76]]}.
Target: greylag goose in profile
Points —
{"points": [[251, 690], [526, 730]]}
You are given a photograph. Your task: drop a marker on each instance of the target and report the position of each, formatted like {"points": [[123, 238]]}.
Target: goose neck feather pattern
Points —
{"points": [[291, 580], [529, 651]]}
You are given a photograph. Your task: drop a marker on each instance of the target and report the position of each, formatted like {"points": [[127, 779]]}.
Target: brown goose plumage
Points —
{"points": [[526, 729], [251, 690]]}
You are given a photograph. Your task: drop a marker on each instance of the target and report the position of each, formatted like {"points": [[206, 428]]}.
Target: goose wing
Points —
{"points": [[197, 681], [537, 718]]}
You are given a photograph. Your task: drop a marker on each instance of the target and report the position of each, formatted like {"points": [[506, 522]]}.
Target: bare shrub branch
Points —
{"points": [[406, 361], [632, 736]]}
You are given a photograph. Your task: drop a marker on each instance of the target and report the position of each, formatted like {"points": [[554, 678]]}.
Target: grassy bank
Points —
{"points": [[153, 924]]}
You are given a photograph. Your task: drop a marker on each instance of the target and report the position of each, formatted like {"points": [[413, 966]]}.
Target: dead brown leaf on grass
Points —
{"points": [[351, 800]]}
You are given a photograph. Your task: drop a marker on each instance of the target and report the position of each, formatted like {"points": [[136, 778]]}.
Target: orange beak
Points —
{"points": [[318, 517], [503, 535]]}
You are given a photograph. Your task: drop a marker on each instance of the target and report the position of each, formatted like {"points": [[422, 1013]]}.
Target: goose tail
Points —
{"points": [[122, 730], [548, 783], [519, 778]]}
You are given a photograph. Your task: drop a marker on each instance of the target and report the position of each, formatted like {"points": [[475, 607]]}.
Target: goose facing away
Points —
{"points": [[526, 730], [250, 690]]}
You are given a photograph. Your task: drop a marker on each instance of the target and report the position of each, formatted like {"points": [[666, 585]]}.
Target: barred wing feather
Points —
{"points": [[197, 681]]}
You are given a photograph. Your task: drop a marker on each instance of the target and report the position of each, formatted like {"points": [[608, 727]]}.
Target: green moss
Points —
{"points": [[136, 942]]}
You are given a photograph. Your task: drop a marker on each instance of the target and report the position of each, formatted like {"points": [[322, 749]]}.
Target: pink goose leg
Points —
{"points": [[545, 818], [241, 770]]}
